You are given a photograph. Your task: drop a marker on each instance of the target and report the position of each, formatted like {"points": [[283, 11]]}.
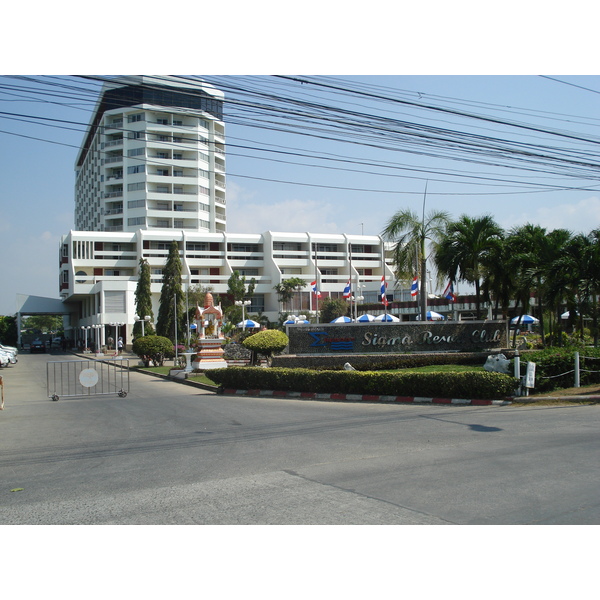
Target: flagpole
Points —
{"points": [[317, 280], [350, 275]]}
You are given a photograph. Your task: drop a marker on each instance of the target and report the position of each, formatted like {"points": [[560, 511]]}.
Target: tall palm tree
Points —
{"points": [[533, 252], [499, 278], [409, 234], [466, 247]]}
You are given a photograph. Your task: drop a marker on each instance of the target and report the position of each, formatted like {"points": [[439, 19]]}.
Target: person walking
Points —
{"points": [[119, 346]]}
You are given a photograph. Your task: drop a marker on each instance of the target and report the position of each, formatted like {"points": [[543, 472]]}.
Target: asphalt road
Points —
{"points": [[172, 454]]}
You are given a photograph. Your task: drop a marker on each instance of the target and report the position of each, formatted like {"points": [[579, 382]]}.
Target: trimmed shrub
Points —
{"points": [[477, 384], [266, 342], [153, 348]]}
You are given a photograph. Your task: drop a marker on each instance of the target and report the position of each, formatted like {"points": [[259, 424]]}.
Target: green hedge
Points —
{"points": [[554, 367], [366, 362], [468, 385]]}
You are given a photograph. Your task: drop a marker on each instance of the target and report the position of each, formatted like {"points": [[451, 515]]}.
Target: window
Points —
{"points": [[136, 204], [197, 246], [135, 152], [163, 172], [177, 123], [177, 156], [136, 169], [177, 173], [137, 135], [162, 121], [134, 187], [136, 221], [135, 118]]}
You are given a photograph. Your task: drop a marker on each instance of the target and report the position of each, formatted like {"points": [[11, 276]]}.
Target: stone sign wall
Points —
{"points": [[396, 338]]}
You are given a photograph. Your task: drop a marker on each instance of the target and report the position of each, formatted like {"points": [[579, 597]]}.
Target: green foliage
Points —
{"points": [[332, 308], [143, 300], [468, 385], [8, 331], [44, 323], [555, 366], [171, 313], [266, 342], [153, 348]]}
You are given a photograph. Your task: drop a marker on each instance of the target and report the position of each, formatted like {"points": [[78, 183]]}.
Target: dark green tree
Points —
{"points": [[237, 291], [143, 301], [8, 331], [465, 249], [332, 308], [170, 322]]}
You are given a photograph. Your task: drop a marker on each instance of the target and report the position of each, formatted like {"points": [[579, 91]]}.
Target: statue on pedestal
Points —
{"points": [[209, 322]]}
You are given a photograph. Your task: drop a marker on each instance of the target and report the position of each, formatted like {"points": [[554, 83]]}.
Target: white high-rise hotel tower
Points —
{"points": [[151, 170], [153, 157]]}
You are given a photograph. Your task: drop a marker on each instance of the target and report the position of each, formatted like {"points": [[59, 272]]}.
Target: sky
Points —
{"points": [[269, 191]]}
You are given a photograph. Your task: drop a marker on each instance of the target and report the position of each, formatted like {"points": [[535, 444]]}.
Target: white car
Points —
{"points": [[7, 358], [11, 349]]}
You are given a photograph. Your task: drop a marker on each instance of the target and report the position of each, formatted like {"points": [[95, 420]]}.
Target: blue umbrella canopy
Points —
{"points": [[525, 320], [432, 316], [366, 318], [387, 318], [342, 320], [248, 324]]}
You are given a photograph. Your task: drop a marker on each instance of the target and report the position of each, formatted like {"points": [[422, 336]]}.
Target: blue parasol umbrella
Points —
{"points": [[387, 318], [248, 324], [366, 318], [342, 320], [432, 316], [525, 320]]}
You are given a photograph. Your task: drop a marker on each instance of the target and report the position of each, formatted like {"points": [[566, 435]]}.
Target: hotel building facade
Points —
{"points": [[151, 170]]}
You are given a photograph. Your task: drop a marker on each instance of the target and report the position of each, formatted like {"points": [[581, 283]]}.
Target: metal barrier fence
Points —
{"points": [[71, 378]]}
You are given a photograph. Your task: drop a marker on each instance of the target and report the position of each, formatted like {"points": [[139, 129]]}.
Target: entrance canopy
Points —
{"points": [[38, 305], [28, 306]]}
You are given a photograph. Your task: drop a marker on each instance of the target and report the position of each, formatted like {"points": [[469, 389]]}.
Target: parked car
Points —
{"points": [[9, 349], [37, 346], [57, 341], [8, 358]]}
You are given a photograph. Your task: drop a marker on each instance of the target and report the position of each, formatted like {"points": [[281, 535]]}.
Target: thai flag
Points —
{"points": [[315, 290], [414, 288], [347, 290], [384, 299], [449, 292]]}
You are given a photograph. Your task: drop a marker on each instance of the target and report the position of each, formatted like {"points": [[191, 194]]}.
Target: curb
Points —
{"points": [[362, 398]]}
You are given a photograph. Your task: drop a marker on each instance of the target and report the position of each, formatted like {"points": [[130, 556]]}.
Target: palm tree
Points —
{"points": [[499, 278], [466, 248], [409, 235], [533, 252]]}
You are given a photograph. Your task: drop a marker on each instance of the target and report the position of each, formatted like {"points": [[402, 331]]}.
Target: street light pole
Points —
{"points": [[243, 304]]}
